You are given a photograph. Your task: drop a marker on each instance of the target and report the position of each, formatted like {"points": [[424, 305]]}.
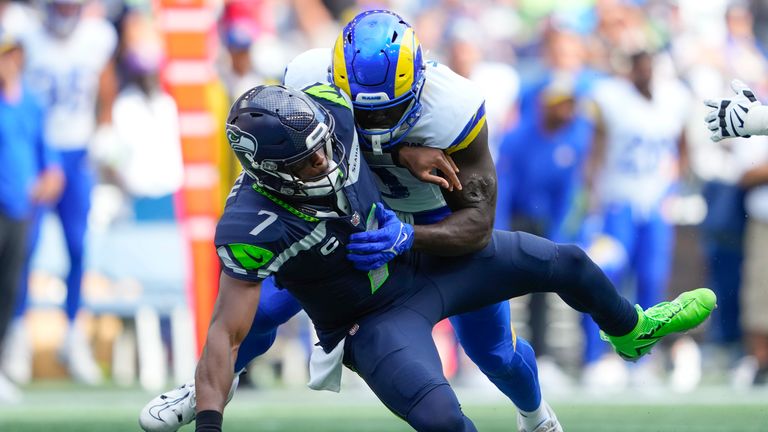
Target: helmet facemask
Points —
{"points": [[385, 124], [296, 177], [284, 176]]}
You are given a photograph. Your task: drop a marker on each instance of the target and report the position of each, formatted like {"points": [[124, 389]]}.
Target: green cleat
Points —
{"points": [[685, 312]]}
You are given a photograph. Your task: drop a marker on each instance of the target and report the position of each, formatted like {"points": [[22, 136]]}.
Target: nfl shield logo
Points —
{"points": [[355, 220]]}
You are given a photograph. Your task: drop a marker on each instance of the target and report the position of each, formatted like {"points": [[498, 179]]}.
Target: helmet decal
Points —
{"points": [[241, 141]]}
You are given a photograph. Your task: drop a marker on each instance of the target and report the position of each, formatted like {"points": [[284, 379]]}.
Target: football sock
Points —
{"points": [[532, 419]]}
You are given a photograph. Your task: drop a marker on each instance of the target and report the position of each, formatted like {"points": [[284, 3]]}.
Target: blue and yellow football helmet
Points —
{"points": [[377, 61]]}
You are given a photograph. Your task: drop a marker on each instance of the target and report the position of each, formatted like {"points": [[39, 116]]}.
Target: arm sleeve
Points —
{"points": [[243, 256]]}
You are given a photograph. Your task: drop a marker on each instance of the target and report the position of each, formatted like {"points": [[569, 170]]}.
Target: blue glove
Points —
{"points": [[372, 249]]}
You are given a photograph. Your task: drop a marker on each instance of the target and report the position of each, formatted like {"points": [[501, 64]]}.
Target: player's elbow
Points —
{"points": [[478, 237]]}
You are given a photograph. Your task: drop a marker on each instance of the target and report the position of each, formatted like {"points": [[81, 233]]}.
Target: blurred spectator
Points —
{"points": [[555, 114], [539, 171], [635, 171], [540, 161], [29, 175], [70, 67], [240, 75], [146, 155], [497, 81], [755, 294]]}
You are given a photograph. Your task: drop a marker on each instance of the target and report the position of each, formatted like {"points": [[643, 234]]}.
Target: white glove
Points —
{"points": [[741, 115]]}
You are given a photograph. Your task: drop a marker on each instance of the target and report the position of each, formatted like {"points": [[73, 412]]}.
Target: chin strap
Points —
{"points": [[376, 144]]}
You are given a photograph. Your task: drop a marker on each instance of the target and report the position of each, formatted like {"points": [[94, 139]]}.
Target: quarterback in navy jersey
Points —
{"points": [[305, 195], [261, 235]]}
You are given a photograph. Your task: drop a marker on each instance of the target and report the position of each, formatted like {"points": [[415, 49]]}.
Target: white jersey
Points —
{"points": [[65, 72], [452, 114], [641, 141]]}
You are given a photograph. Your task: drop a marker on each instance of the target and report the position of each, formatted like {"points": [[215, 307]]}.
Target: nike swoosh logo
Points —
{"points": [[156, 410], [741, 125], [258, 258], [650, 334], [639, 349]]}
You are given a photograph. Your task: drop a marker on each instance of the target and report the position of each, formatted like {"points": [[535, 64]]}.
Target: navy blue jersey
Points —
{"points": [[261, 235]]}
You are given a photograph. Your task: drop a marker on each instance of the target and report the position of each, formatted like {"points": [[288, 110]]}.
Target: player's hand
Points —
{"points": [[422, 161], [48, 186], [730, 117], [370, 250]]}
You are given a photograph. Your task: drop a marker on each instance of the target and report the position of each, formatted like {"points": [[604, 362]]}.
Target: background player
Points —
{"points": [[69, 65]]}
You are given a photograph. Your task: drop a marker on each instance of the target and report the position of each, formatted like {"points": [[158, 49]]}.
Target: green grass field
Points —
{"points": [[63, 408]]}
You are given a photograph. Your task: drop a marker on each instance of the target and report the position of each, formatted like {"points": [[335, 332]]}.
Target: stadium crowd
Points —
{"points": [[595, 124]]}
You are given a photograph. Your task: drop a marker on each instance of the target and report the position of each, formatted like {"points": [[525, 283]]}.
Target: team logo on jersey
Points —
{"points": [[355, 219]]}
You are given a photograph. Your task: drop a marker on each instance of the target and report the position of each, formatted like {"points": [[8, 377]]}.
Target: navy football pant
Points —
{"points": [[513, 264], [393, 350], [485, 335]]}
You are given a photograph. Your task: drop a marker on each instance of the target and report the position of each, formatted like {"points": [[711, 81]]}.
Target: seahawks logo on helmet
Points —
{"points": [[241, 141]]}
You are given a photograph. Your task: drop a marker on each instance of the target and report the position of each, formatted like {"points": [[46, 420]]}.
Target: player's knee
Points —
{"points": [[493, 363], [438, 411], [574, 265]]}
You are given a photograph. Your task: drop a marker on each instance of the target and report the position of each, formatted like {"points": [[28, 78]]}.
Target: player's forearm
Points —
{"points": [[755, 177], [214, 374], [464, 231], [757, 120]]}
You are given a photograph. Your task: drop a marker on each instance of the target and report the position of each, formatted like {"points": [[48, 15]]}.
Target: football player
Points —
{"points": [[412, 109], [409, 106], [70, 66], [308, 200], [633, 170]]}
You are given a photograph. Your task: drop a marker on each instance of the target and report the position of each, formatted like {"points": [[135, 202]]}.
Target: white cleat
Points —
{"points": [[686, 365], [16, 360], [9, 393], [76, 354], [549, 425], [174, 409]]}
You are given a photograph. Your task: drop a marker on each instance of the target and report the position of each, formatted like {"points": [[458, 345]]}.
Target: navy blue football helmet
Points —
{"points": [[274, 131]]}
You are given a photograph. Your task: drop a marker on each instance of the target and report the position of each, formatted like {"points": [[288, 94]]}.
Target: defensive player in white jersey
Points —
{"points": [[636, 168], [69, 62]]}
